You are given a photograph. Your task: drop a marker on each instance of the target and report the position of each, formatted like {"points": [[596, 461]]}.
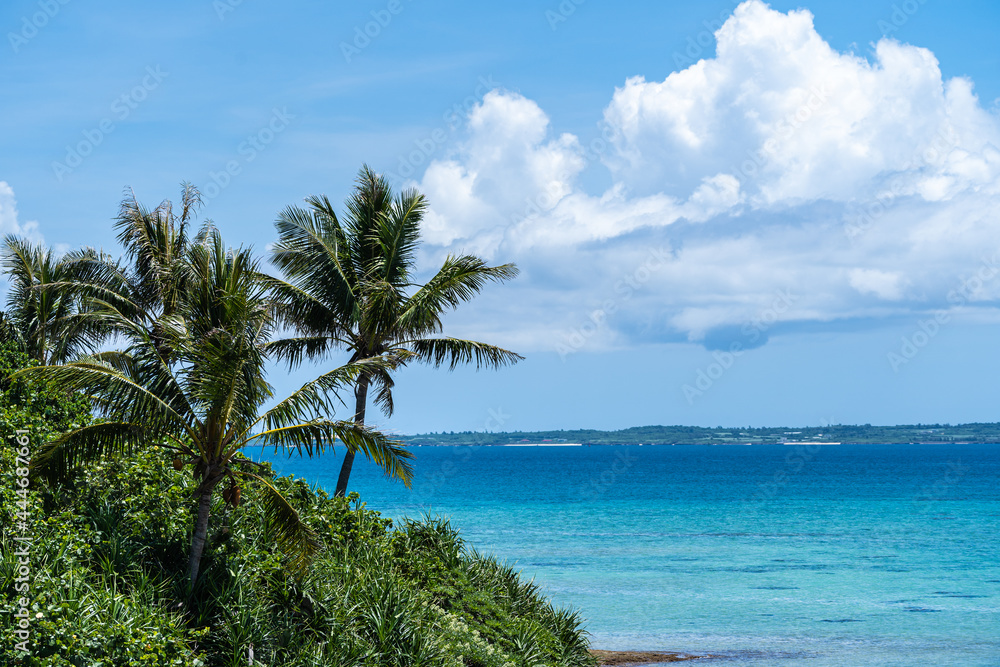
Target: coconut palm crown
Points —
{"points": [[348, 285], [40, 303], [195, 385]]}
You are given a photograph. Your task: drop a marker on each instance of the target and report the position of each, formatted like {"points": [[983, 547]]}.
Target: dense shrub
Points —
{"points": [[31, 405], [109, 584]]}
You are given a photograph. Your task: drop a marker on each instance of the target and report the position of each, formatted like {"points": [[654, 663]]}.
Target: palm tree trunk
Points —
{"points": [[200, 533], [361, 399]]}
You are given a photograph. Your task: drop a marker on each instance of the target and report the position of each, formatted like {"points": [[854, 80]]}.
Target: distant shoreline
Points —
{"points": [[865, 434]]}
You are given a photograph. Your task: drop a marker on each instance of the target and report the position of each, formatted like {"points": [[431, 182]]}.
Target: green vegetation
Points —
{"points": [[134, 560], [193, 319], [110, 583], [348, 285], [41, 306], [39, 407], [696, 435]]}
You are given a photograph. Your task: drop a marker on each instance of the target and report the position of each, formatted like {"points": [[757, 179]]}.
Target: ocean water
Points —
{"points": [[765, 555]]}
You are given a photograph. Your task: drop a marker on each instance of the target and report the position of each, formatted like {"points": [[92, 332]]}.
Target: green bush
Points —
{"points": [[109, 586]]}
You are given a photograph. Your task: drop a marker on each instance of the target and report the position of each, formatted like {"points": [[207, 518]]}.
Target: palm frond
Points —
{"points": [[379, 317], [119, 397], [309, 312], [398, 236], [390, 455], [310, 252], [190, 202], [459, 279], [384, 382], [454, 351], [65, 453], [315, 398], [40, 299], [318, 435], [298, 542], [294, 351]]}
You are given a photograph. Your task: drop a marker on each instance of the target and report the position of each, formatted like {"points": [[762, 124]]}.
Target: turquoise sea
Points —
{"points": [[762, 555]]}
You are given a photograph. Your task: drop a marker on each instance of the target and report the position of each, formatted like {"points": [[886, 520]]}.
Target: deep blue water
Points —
{"points": [[767, 555]]}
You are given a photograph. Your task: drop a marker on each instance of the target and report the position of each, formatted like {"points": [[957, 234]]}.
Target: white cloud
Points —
{"points": [[796, 120], [9, 223], [505, 170], [883, 284], [779, 164]]}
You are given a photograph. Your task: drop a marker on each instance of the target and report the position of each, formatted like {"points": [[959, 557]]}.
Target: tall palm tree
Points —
{"points": [[348, 285], [196, 386], [41, 303]]}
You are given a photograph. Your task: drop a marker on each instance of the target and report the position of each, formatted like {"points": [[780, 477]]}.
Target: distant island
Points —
{"points": [[987, 433]]}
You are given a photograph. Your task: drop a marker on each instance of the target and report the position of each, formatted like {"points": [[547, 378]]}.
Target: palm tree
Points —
{"points": [[348, 285], [148, 284], [40, 303], [196, 386], [49, 295]]}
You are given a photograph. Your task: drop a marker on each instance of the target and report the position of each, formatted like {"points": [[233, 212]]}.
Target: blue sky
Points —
{"points": [[725, 214]]}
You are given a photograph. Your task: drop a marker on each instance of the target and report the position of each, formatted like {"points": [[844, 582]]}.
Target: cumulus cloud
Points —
{"points": [[858, 188], [794, 120], [506, 170]]}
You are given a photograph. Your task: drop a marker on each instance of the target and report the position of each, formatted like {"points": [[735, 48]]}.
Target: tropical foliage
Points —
{"points": [[195, 384], [41, 304], [110, 585], [190, 319], [141, 379], [348, 285], [35, 406]]}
